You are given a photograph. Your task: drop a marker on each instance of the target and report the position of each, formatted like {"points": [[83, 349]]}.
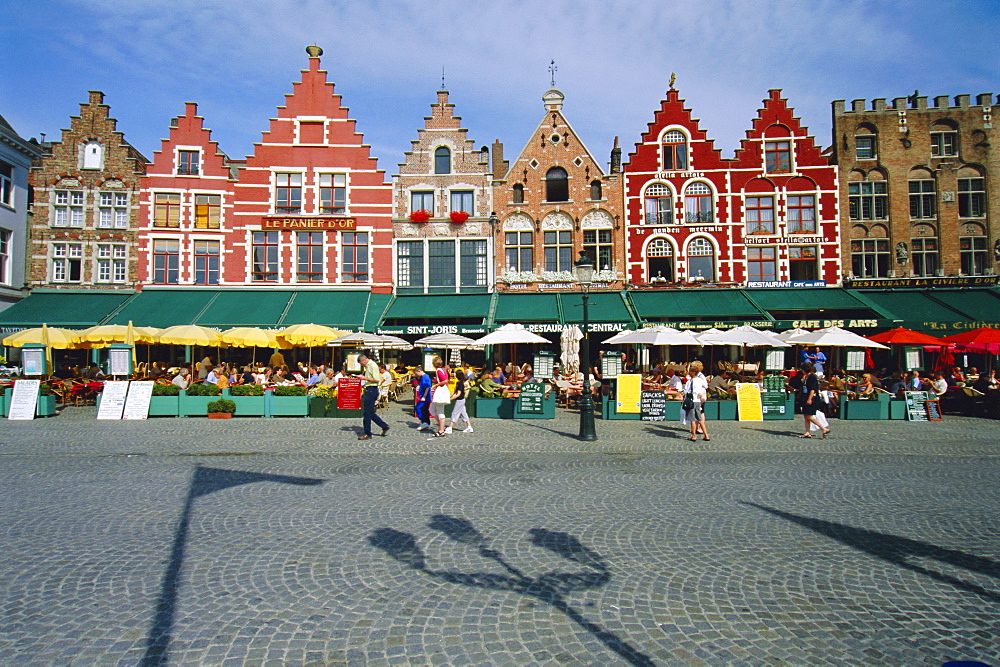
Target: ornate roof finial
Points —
{"points": [[552, 72], [314, 51], [673, 77], [442, 78]]}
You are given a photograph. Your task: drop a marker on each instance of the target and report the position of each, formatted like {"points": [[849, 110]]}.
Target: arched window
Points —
{"points": [[868, 198], [865, 142], [595, 190], [698, 203], [659, 261], [674, 151], [944, 139], [518, 193], [921, 194], [700, 260], [659, 205], [442, 160], [777, 150], [971, 193], [924, 250], [556, 185], [972, 248]]}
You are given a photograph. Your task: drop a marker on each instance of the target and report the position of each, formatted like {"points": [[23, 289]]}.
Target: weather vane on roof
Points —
{"points": [[673, 77], [552, 72], [442, 78]]}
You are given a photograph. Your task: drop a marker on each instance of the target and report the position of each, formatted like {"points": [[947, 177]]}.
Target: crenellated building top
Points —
{"points": [[914, 102]]}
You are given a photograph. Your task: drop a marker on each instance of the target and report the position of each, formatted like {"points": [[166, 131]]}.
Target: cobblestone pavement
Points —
{"points": [[287, 541]]}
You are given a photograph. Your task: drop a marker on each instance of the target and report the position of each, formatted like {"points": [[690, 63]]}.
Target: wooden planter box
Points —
{"points": [[246, 406], [285, 406], [164, 406], [194, 406]]}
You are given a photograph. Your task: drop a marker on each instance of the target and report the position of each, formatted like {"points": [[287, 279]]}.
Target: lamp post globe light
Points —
{"points": [[583, 274]]}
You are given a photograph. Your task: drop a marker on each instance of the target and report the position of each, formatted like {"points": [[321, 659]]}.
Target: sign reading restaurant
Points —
{"points": [[954, 281], [296, 222]]}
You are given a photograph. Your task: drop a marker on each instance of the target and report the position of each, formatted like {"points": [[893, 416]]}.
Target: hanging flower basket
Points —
{"points": [[420, 216], [458, 217]]}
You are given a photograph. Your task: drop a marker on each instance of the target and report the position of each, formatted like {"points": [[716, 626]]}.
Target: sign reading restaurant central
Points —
{"points": [[285, 222]]}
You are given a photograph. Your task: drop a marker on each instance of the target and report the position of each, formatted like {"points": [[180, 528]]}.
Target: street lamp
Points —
{"points": [[583, 274]]}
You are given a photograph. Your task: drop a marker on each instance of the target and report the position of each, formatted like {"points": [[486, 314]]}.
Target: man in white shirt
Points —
{"points": [[182, 379], [939, 385], [369, 397]]}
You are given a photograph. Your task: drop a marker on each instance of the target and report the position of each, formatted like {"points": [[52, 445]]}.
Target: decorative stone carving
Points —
{"points": [[597, 220], [518, 222], [68, 183], [557, 220], [408, 230]]}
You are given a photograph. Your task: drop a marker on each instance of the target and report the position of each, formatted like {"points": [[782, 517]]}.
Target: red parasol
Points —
{"points": [[979, 340], [901, 336], [869, 362]]}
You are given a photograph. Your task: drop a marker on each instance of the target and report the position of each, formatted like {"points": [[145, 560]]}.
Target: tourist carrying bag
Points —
{"points": [[441, 394], [688, 403]]}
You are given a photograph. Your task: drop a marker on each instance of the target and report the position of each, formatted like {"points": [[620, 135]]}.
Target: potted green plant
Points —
{"points": [[221, 408], [249, 399], [322, 401], [165, 401], [195, 399], [292, 401]]}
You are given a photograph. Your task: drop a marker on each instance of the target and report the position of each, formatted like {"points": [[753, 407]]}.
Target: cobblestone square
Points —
{"points": [[287, 541]]}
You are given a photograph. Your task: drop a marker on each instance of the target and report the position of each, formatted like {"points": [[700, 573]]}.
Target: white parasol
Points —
{"points": [[570, 340], [748, 336], [835, 337], [658, 335]]}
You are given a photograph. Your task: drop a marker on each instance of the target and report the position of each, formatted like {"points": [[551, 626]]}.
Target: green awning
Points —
{"points": [[910, 306], [521, 308], [681, 304], [334, 308], [417, 309], [602, 307], [981, 305], [165, 308], [245, 308], [813, 299], [76, 309]]}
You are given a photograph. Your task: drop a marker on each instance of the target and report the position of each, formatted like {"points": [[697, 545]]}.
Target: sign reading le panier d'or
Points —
{"points": [[301, 222]]}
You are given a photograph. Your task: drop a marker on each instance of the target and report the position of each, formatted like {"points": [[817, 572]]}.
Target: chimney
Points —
{"points": [[498, 167], [616, 158], [96, 97]]}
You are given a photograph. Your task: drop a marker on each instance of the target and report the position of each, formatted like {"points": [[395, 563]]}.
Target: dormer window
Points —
{"points": [[944, 141], [556, 185], [93, 155], [518, 193], [188, 163], [675, 153], [595, 190], [442, 160]]}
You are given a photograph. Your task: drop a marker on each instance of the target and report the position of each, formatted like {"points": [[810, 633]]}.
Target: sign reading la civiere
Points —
{"points": [[297, 222]]}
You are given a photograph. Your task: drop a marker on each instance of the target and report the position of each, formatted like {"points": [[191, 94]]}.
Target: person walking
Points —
{"points": [[422, 398], [695, 395], [812, 400], [441, 395], [370, 397], [458, 411]]}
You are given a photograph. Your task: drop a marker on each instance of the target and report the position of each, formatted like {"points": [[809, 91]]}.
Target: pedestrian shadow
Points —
{"points": [[205, 481], [552, 588], [898, 550], [665, 432], [531, 422]]}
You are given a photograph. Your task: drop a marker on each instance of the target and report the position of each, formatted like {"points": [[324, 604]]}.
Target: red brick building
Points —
{"points": [[85, 212], [309, 207], [766, 217], [553, 201]]}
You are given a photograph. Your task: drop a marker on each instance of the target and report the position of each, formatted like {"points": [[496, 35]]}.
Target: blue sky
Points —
{"points": [[614, 59]]}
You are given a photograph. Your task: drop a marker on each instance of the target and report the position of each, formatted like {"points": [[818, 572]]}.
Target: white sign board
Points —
{"points": [[112, 400], [137, 404], [118, 361], [24, 399], [33, 360], [774, 360], [856, 360]]}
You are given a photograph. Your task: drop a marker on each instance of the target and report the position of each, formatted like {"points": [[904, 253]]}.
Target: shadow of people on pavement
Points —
{"points": [[550, 587]]}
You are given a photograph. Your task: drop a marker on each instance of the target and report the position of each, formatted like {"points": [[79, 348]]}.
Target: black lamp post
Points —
{"points": [[583, 273]]}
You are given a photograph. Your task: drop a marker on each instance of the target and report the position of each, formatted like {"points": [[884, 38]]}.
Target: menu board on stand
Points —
{"points": [[748, 402], [349, 394], [916, 405], [773, 399], [653, 406], [24, 399], [532, 398], [137, 403], [113, 399]]}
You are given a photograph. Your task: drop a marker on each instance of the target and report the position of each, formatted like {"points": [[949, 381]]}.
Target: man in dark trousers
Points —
{"points": [[370, 397]]}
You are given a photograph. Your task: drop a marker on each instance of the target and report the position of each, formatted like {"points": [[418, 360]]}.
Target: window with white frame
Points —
{"points": [[868, 200], [206, 262], [801, 213], [333, 193], [265, 256], [759, 214], [660, 261], [6, 184], [921, 198], [762, 265], [597, 245], [519, 248], [287, 193], [701, 260], [473, 263], [865, 145], [975, 258], [558, 250], [442, 160], [5, 256], [698, 203], [659, 205], [778, 156], [462, 200], [924, 252], [870, 258], [113, 210], [802, 264], [166, 209], [944, 143], [410, 264], [971, 197], [67, 208], [441, 265], [188, 163], [674, 152], [309, 257], [354, 252], [422, 200], [67, 262], [207, 211], [166, 261], [112, 261]]}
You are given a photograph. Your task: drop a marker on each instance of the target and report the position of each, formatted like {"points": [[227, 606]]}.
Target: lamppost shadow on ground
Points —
{"points": [[205, 481], [552, 588], [898, 550]]}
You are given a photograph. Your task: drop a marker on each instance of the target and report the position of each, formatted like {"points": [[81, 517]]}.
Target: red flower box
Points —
{"points": [[420, 216], [458, 217]]}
